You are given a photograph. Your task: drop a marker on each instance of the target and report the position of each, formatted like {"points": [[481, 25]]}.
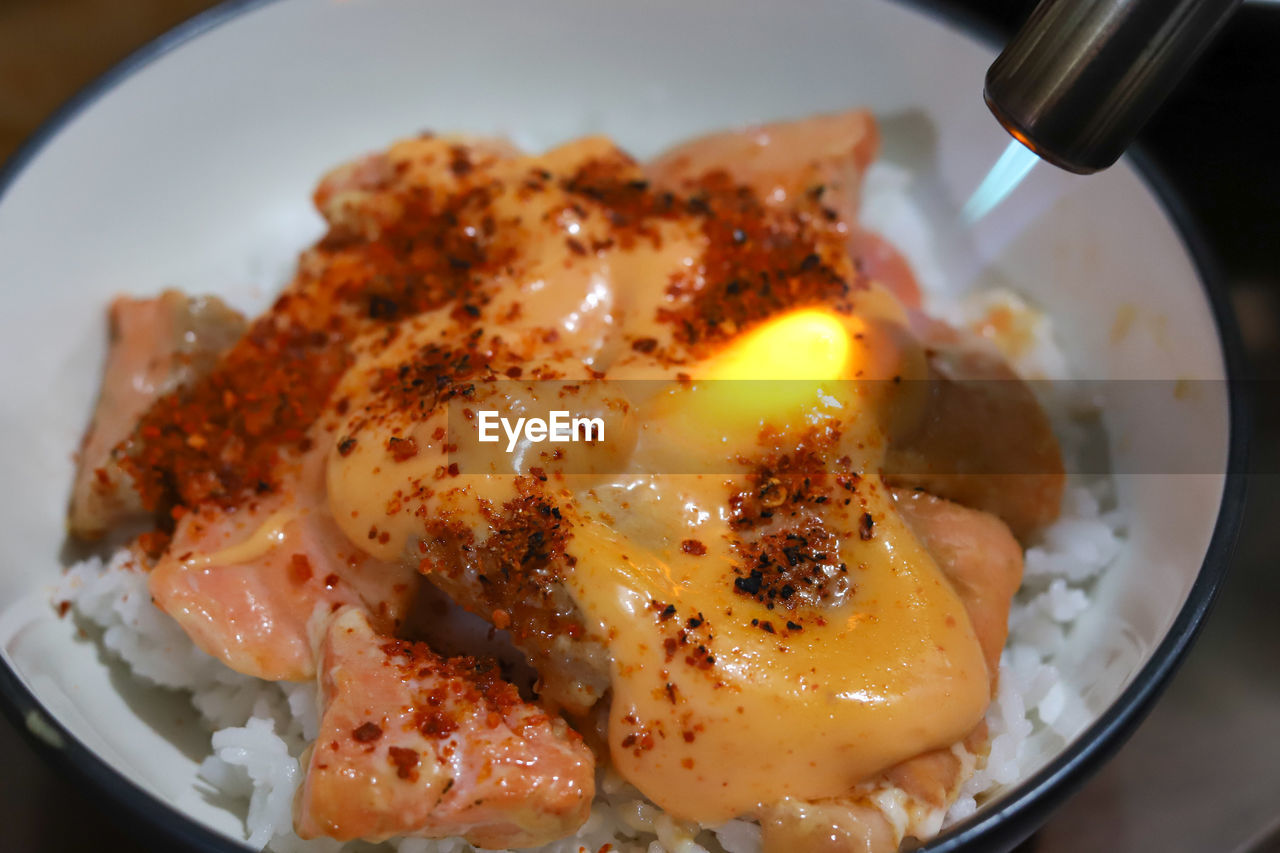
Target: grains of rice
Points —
{"points": [[260, 728]]}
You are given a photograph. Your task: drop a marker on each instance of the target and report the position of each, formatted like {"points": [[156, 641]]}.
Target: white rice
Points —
{"points": [[259, 729]]}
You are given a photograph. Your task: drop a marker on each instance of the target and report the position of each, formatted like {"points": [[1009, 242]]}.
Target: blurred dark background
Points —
{"points": [[1202, 774]]}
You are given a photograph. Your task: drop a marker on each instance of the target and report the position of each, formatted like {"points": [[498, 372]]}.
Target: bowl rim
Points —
{"points": [[1026, 806]]}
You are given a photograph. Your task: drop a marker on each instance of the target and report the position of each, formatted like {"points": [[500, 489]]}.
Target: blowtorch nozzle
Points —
{"points": [[1081, 77]]}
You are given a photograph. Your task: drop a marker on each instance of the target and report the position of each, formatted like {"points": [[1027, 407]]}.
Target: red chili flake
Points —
{"points": [[263, 397], [694, 547], [154, 542], [436, 723], [645, 345], [460, 161], [402, 448], [367, 732], [63, 607], [405, 761], [759, 262], [299, 568], [330, 581]]}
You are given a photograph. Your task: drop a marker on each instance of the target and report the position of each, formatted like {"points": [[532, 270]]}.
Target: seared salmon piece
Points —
{"points": [[154, 345], [354, 199], [814, 163], [982, 439], [415, 744], [835, 826], [983, 562], [518, 572], [822, 157], [962, 448], [881, 262], [978, 554], [247, 585]]}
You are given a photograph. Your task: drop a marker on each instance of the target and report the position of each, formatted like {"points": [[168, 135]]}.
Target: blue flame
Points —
{"points": [[1014, 165]]}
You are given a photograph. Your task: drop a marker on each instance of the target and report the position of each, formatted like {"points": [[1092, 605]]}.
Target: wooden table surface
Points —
{"points": [[51, 48]]}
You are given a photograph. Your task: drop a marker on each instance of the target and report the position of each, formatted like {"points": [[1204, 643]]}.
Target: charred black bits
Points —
{"points": [[773, 494], [750, 585], [382, 308]]}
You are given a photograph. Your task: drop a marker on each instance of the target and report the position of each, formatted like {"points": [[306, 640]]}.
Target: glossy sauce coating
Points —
{"points": [[879, 673], [726, 568]]}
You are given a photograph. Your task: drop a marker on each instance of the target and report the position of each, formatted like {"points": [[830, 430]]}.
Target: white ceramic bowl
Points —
{"points": [[191, 166]]}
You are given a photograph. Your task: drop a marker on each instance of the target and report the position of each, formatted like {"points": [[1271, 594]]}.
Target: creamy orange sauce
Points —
{"points": [[721, 704], [271, 534], [895, 671]]}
